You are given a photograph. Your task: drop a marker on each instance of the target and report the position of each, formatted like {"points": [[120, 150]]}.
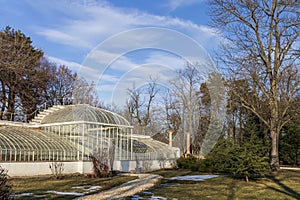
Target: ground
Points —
{"points": [[281, 185], [70, 184], [284, 184]]}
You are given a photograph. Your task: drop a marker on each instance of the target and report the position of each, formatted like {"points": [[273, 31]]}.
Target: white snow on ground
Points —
{"points": [[65, 193], [23, 194], [26, 195], [157, 198], [137, 197], [94, 187], [87, 188], [194, 178]]}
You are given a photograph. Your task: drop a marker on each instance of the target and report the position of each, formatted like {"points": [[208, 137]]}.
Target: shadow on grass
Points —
{"points": [[232, 190], [284, 189]]}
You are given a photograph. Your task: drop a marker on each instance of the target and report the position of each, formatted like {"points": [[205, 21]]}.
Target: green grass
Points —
{"points": [[282, 185], [39, 185]]}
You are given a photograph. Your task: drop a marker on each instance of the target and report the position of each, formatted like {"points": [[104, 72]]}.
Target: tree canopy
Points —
{"points": [[261, 52], [28, 80]]}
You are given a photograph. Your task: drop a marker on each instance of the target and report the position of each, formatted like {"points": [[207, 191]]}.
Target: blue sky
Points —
{"points": [[110, 42]]}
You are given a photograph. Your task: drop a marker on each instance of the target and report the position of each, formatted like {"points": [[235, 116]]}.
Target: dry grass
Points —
{"points": [[282, 185], [39, 185]]}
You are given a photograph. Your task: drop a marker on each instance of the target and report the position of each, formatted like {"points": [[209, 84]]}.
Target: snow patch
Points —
{"points": [[87, 188], [26, 194], [193, 178], [65, 193], [157, 198]]}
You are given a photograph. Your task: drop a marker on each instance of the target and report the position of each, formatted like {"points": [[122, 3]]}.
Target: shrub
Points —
{"points": [[289, 145], [5, 188], [100, 160], [217, 161], [57, 169], [249, 161], [188, 163]]}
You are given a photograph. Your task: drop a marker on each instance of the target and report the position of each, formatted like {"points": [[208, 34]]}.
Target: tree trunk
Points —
{"points": [[189, 134], [274, 150], [3, 100], [10, 104], [274, 121], [188, 144]]}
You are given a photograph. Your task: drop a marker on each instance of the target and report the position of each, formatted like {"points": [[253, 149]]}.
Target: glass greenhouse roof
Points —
{"points": [[28, 139], [85, 113]]}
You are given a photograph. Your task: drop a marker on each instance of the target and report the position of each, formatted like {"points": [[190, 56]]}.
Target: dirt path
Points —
{"points": [[130, 188]]}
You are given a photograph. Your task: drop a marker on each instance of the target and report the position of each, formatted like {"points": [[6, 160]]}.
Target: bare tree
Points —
{"points": [[84, 92], [60, 86], [100, 160], [186, 90], [140, 105], [57, 169], [172, 112], [261, 49]]}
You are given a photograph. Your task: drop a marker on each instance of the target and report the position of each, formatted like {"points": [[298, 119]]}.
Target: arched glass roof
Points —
{"points": [[28, 139], [85, 113]]}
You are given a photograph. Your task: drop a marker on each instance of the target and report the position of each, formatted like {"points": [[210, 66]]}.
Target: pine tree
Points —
{"points": [[249, 160]]}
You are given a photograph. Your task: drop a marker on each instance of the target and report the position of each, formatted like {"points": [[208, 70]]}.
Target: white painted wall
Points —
{"points": [[144, 165], [42, 168]]}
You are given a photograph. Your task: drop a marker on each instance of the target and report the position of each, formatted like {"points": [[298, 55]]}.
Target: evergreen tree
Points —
{"points": [[22, 80], [249, 160], [289, 145]]}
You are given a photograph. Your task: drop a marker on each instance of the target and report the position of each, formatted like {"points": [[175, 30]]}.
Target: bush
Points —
{"points": [[188, 163], [289, 145], [217, 161], [5, 188], [57, 169], [100, 160], [249, 160]]}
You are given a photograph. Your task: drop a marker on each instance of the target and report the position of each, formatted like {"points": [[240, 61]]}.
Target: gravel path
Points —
{"points": [[130, 188]]}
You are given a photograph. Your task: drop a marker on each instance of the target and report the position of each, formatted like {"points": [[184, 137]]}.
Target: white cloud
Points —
{"points": [[171, 61], [174, 4], [86, 25], [88, 73], [72, 65], [93, 22], [64, 38], [112, 60]]}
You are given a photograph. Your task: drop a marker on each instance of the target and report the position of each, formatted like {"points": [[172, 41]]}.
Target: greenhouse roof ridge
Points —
{"points": [[84, 113]]}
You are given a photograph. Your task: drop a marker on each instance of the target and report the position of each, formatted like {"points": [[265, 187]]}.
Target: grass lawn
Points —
{"points": [[39, 185], [282, 185]]}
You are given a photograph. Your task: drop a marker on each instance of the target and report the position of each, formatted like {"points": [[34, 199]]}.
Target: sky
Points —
{"points": [[117, 44]]}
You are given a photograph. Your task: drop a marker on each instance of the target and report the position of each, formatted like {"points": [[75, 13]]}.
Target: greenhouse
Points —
{"points": [[90, 128], [24, 144], [75, 132]]}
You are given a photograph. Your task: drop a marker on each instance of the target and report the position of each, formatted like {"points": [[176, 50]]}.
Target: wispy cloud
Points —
{"points": [[174, 4], [72, 65], [89, 24], [88, 73], [95, 21], [63, 38]]}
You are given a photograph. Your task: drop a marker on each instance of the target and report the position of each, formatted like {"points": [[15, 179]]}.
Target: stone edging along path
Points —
{"points": [[144, 181]]}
